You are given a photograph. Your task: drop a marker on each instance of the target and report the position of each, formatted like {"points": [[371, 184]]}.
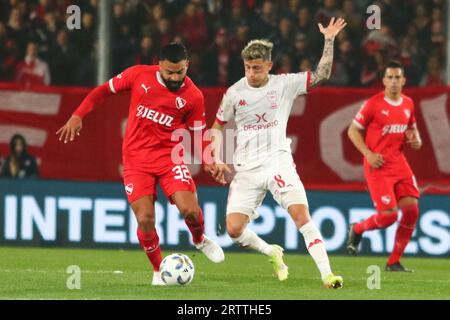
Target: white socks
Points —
{"points": [[250, 239], [316, 247], [313, 240]]}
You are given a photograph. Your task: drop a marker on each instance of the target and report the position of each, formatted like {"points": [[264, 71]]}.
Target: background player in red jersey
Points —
{"points": [[163, 99], [388, 121]]}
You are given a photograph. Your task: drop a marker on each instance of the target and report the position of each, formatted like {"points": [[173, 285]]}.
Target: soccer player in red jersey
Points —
{"points": [[163, 99], [388, 122]]}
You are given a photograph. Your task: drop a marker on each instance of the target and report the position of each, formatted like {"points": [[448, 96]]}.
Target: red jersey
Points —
{"points": [[385, 123], [155, 113]]}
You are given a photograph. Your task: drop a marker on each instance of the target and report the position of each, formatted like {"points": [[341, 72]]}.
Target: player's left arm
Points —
{"points": [[196, 122], [412, 135], [323, 70], [413, 138]]}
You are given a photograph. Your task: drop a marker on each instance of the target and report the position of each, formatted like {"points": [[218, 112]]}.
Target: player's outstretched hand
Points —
{"points": [[219, 174], [375, 160], [413, 140], [334, 27], [71, 129]]}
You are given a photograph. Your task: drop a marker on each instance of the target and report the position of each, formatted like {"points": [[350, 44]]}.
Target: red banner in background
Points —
{"points": [[324, 155]]}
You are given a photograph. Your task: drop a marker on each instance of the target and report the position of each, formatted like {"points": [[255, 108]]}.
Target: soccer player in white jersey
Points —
{"points": [[260, 104]]}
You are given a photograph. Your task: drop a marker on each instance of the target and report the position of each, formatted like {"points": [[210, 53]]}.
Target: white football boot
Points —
{"points": [[211, 249], [157, 280]]}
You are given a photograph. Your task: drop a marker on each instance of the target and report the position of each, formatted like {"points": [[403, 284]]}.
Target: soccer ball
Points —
{"points": [[177, 269]]}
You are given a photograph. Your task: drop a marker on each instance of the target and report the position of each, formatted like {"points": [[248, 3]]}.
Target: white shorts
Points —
{"points": [[248, 188]]}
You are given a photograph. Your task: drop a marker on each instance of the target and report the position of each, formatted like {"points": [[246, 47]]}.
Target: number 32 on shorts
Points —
{"points": [[182, 173]]}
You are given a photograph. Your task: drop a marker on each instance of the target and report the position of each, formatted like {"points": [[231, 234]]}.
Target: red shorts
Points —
{"points": [[386, 190], [171, 178]]}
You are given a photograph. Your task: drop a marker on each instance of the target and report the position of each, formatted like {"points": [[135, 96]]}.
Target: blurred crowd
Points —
{"points": [[36, 47]]}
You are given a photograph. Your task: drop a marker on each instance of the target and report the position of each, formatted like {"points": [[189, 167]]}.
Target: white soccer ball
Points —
{"points": [[177, 269]]}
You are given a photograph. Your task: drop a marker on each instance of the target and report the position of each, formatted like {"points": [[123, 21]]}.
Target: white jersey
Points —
{"points": [[261, 116]]}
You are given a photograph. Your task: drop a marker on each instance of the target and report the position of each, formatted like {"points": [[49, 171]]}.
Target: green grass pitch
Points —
{"points": [[38, 273]]}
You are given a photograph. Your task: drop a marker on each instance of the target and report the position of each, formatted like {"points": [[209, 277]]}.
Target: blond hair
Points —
{"points": [[257, 49]]}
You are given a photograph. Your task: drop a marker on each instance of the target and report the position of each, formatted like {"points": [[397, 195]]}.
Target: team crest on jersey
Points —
{"points": [[386, 199], [180, 102], [272, 98], [407, 113], [129, 189]]}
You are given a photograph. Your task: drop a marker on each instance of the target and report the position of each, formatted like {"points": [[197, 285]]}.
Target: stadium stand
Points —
{"points": [[412, 32]]}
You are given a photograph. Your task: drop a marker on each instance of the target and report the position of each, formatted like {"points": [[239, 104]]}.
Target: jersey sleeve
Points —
{"points": [[297, 83], [196, 119], [225, 112], [123, 81], [94, 98], [364, 115], [412, 118]]}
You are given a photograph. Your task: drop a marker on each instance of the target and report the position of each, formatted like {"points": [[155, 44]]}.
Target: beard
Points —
{"points": [[173, 85]]}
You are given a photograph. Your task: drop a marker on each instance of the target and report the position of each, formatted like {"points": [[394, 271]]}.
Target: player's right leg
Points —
{"points": [[144, 211], [245, 195], [247, 238], [380, 220], [383, 196], [141, 194]]}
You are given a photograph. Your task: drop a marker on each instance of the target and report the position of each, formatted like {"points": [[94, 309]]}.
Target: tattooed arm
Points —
{"points": [[323, 70]]}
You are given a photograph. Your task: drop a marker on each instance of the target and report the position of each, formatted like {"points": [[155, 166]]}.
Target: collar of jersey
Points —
{"points": [[394, 103], [259, 88]]}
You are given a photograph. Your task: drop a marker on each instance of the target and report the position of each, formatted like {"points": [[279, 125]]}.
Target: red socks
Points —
{"points": [[197, 227], [410, 214], [150, 243], [376, 221]]}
